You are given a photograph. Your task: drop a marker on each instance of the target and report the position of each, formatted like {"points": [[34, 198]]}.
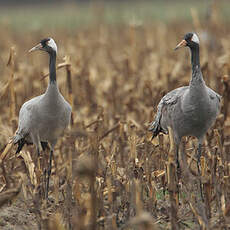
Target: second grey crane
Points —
{"points": [[188, 110], [44, 118]]}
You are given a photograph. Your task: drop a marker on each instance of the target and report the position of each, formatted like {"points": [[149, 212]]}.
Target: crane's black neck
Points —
{"points": [[197, 76], [195, 57], [52, 67]]}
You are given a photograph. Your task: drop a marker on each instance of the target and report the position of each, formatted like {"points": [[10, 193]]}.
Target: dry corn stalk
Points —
{"points": [[30, 166], [11, 65], [195, 18], [6, 150], [56, 222]]}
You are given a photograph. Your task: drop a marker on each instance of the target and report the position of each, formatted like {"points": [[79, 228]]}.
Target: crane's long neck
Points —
{"points": [[52, 67], [195, 57], [195, 60]]}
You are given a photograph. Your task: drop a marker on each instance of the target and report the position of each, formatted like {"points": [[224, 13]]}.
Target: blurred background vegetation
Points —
{"points": [[36, 15]]}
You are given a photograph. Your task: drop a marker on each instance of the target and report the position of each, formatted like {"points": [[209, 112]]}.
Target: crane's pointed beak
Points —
{"points": [[183, 43], [37, 47]]}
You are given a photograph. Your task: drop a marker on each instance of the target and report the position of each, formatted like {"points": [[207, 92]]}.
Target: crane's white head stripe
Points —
{"points": [[195, 39], [51, 43]]}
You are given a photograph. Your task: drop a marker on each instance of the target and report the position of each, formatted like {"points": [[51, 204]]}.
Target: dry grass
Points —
{"points": [[107, 173]]}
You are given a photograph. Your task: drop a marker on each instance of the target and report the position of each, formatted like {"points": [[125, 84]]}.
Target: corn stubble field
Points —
{"points": [[107, 173]]}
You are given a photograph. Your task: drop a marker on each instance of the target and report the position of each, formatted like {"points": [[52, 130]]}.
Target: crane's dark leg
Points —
{"points": [[177, 156], [44, 145], [199, 155], [199, 168], [38, 152], [49, 173], [176, 148], [199, 148], [36, 142], [178, 169]]}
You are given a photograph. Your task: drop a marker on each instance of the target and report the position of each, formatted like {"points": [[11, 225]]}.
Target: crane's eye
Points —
{"points": [[44, 42]]}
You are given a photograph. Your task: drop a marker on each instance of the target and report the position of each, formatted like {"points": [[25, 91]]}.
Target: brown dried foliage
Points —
{"points": [[106, 173]]}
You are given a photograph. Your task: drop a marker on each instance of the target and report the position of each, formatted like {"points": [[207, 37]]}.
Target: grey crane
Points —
{"points": [[188, 110], [43, 119]]}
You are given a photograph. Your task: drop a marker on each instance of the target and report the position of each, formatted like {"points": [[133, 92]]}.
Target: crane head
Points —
{"points": [[190, 40], [47, 44]]}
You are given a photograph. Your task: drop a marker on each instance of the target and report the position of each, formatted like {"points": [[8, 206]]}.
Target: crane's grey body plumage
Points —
{"points": [[188, 110], [186, 113], [44, 118]]}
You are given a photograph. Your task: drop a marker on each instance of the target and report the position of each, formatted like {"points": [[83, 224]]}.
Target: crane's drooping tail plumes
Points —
{"points": [[156, 128], [21, 141]]}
